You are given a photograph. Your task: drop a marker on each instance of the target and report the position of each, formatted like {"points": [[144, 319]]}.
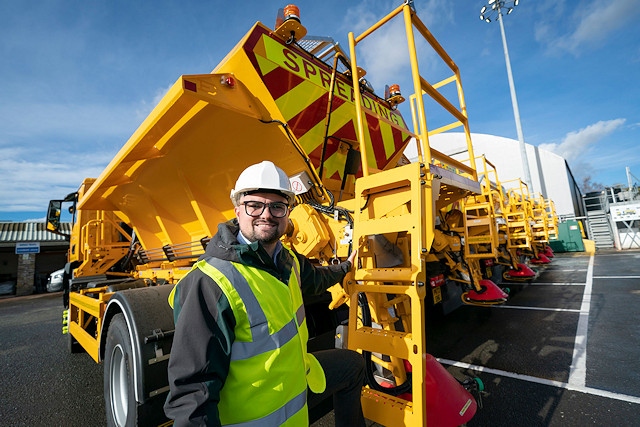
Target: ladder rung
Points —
{"points": [[387, 410], [519, 235], [472, 222], [476, 240], [390, 343], [394, 224], [385, 275]]}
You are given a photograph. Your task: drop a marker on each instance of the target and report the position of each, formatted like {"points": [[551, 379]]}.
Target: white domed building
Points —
{"points": [[550, 173]]}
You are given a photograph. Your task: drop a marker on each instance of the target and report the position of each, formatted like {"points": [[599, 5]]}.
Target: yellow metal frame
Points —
{"points": [[518, 214], [422, 87], [388, 196], [540, 226], [401, 202], [484, 214], [552, 219], [97, 248], [86, 310], [98, 241]]}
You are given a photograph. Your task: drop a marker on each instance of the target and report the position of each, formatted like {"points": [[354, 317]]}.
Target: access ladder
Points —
{"points": [[400, 204]]}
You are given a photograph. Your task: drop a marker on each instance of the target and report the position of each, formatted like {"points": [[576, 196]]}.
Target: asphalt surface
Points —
{"points": [[574, 314], [42, 383]]}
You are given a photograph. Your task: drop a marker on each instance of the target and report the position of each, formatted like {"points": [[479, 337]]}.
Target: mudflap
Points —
{"points": [[449, 403]]}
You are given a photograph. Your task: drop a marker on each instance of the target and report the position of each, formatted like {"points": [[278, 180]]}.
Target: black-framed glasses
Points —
{"points": [[276, 209]]}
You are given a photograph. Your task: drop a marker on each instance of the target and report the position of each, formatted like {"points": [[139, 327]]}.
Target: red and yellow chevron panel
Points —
{"points": [[300, 83]]}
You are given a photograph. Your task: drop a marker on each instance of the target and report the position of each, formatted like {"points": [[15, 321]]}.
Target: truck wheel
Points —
{"points": [[118, 375]]}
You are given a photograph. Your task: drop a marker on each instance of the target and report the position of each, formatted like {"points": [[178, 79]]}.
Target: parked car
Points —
{"points": [[8, 287], [54, 282]]}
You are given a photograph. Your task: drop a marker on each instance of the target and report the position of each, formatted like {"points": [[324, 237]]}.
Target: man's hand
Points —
{"points": [[352, 257]]}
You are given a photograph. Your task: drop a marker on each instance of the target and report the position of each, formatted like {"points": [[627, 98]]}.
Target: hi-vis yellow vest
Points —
{"points": [[270, 367]]}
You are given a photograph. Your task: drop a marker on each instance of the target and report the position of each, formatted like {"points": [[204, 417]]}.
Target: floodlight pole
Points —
{"points": [[497, 5]]}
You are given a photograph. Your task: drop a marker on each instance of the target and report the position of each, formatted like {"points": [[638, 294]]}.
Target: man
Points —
{"points": [[239, 350]]}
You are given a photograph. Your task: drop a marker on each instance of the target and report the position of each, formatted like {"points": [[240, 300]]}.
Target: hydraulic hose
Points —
{"points": [[369, 365]]}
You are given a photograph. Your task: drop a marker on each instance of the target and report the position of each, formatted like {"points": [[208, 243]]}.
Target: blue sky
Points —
{"points": [[78, 77]]}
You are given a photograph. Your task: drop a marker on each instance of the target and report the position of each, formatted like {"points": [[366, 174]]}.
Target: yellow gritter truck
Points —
{"points": [[304, 103]]}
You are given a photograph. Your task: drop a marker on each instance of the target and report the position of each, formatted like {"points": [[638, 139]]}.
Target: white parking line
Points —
{"points": [[557, 284], [524, 307], [544, 381], [578, 373], [626, 252]]}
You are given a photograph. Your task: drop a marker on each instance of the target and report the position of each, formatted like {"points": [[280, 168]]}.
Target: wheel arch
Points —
{"points": [[147, 314]]}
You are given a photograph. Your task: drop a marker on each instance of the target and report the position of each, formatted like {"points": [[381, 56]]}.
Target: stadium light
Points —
{"points": [[494, 10]]}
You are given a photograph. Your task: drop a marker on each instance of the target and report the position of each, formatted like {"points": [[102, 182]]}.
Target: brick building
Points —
{"points": [[28, 254]]}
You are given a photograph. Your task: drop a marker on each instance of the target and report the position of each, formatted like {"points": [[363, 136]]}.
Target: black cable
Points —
{"points": [[406, 386], [304, 156], [327, 210]]}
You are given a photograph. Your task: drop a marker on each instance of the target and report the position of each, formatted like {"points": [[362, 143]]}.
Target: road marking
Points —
{"points": [[524, 307], [557, 283], [625, 252], [543, 381], [578, 373]]}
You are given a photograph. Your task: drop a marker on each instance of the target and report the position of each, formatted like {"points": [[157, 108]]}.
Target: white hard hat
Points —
{"points": [[262, 176]]}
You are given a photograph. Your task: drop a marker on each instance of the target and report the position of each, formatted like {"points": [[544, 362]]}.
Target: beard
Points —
{"points": [[264, 231]]}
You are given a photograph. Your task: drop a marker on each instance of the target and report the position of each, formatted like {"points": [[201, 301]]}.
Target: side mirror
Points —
{"points": [[53, 215]]}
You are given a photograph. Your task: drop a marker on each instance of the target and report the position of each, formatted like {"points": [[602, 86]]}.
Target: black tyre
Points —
{"points": [[119, 394]]}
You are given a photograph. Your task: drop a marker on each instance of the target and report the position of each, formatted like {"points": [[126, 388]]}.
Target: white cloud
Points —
{"points": [[28, 184], [385, 69], [384, 54], [576, 144], [145, 107], [593, 24], [597, 24]]}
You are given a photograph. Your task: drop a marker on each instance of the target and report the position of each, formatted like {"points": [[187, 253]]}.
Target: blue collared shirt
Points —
{"points": [[243, 239]]}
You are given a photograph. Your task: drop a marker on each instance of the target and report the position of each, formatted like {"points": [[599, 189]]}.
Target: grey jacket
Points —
{"points": [[201, 351]]}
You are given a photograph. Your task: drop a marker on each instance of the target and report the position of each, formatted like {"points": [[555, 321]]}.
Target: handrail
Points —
{"points": [[421, 86], [450, 161], [97, 238]]}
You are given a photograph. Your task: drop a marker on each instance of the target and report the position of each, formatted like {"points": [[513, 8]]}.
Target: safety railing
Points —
{"points": [[421, 87]]}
